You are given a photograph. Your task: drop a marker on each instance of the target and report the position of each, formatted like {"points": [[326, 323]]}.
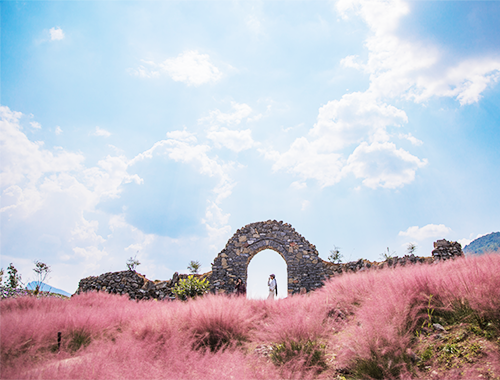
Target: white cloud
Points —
{"points": [[410, 138], [413, 69], [190, 67], [354, 118], [100, 132], [425, 232], [23, 159], [35, 125], [181, 147], [305, 159], [305, 205], [56, 34], [383, 165], [217, 117], [254, 24], [236, 141], [183, 135], [464, 242], [298, 185], [49, 204], [58, 130], [351, 121]]}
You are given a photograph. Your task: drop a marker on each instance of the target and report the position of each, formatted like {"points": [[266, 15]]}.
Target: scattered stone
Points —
{"points": [[438, 327]]}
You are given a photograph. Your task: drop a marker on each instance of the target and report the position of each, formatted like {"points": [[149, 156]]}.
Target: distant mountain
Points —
{"points": [[484, 244], [47, 288]]}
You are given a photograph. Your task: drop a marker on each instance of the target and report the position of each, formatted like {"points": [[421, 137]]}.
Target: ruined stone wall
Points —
{"points": [[444, 249], [305, 268], [132, 283]]}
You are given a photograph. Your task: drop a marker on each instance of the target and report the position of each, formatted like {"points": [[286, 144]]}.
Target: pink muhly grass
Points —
{"points": [[296, 318], [397, 301], [216, 322], [128, 358]]}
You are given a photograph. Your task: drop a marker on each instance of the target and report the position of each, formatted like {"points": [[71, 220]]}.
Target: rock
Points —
{"points": [[438, 327]]}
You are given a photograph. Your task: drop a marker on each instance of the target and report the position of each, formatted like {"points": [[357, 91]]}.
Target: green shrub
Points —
{"points": [[312, 353], [78, 339], [191, 287]]}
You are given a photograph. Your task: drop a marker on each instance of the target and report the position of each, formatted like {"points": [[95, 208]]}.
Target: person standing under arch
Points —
{"points": [[240, 289], [273, 287]]}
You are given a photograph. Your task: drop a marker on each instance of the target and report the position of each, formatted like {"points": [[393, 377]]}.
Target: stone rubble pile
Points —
{"points": [[444, 249], [132, 283]]}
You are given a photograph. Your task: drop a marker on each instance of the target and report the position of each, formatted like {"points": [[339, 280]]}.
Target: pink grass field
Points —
{"points": [[358, 325]]}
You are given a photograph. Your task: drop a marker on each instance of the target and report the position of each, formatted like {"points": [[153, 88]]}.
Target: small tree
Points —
{"points": [[191, 287], [132, 263], [14, 280], [42, 270], [194, 266], [335, 255], [387, 255], [411, 248]]}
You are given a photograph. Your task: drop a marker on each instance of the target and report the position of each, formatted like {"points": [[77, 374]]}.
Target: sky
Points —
{"points": [[157, 129]]}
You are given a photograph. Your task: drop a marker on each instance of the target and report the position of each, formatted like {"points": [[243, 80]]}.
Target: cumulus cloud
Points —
{"points": [[35, 125], [190, 67], [217, 117], [411, 138], [182, 147], [23, 159], [354, 118], [100, 132], [58, 130], [50, 203], [383, 165], [415, 70], [56, 34], [306, 160], [235, 140], [425, 232], [358, 121]]}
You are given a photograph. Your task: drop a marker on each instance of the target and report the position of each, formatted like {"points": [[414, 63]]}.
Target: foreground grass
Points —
{"points": [[431, 321]]}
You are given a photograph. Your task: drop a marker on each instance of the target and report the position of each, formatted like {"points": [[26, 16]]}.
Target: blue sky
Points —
{"points": [[158, 129]]}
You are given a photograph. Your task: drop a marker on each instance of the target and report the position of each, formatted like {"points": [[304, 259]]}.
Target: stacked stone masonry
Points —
{"points": [[132, 283], [306, 270]]}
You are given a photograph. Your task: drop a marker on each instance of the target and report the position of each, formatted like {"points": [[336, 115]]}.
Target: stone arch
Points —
{"points": [[304, 267]]}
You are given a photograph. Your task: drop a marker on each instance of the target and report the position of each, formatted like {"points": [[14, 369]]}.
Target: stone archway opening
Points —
{"points": [[305, 270], [259, 268]]}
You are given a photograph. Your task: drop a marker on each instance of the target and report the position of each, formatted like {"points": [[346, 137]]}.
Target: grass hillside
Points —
{"points": [[487, 243], [419, 322]]}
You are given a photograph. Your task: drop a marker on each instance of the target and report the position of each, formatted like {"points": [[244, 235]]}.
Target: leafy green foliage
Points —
{"points": [[194, 266], [191, 287], [335, 255], [78, 339], [411, 248], [42, 270], [14, 280], [388, 254], [311, 352], [132, 263]]}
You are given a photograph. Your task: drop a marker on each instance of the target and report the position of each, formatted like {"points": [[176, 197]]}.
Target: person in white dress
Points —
{"points": [[273, 287]]}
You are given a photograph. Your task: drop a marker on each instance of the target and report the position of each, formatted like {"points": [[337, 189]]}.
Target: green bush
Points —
{"points": [[191, 287], [312, 353]]}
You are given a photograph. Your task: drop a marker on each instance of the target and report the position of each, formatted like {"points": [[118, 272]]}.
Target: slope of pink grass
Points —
{"points": [[368, 316]]}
